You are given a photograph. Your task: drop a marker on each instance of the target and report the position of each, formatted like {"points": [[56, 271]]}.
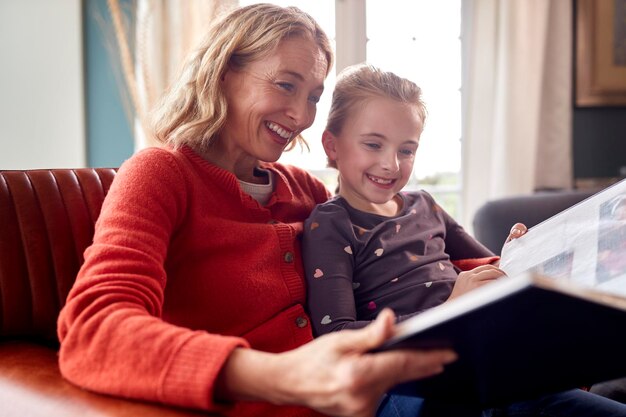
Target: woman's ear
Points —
{"points": [[227, 72], [329, 141]]}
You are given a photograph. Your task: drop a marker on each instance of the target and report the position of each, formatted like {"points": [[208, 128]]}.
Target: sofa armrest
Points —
{"points": [[31, 385], [494, 219]]}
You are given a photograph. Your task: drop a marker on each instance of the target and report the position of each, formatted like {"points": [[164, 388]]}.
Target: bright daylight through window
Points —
{"points": [[419, 40]]}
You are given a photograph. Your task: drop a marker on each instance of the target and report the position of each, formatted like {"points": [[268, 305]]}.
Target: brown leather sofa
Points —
{"points": [[46, 221]]}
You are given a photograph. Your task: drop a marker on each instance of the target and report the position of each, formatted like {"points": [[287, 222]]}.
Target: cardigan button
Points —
{"points": [[288, 257], [272, 221], [301, 322]]}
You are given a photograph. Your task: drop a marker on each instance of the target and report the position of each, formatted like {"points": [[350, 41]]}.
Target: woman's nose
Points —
{"points": [[301, 112]]}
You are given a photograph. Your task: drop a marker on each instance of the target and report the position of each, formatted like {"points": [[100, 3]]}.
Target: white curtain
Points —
{"points": [[516, 99], [165, 31]]}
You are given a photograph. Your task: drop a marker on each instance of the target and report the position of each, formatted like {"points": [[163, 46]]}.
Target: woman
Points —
{"points": [[192, 292]]}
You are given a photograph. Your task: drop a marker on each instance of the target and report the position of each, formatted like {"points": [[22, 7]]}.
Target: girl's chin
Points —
{"points": [[382, 198], [382, 190]]}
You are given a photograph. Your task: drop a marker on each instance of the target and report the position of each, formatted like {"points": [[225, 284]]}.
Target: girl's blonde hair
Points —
{"points": [[194, 109], [359, 83]]}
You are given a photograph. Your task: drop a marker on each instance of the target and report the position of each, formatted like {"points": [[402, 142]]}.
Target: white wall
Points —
{"points": [[42, 119]]}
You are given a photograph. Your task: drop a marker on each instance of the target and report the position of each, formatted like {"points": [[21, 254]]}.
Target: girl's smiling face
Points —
{"points": [[375, 152]]}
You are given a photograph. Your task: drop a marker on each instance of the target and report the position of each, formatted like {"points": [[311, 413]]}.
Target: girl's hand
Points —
{"points": [[518, 230], [334, 374], [477, 277]]}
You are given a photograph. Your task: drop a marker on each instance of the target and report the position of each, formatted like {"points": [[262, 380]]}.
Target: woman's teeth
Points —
{"points": [[279, 130]]}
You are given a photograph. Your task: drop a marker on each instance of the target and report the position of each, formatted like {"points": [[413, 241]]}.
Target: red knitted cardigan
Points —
{"points": [[184, 268]]}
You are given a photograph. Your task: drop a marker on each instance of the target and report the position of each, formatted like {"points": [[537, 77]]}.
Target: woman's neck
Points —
{"points": [[243, 166]]}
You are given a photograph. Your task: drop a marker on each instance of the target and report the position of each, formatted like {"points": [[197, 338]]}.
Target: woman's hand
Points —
{"points": [[335, 374], [477, 277]]}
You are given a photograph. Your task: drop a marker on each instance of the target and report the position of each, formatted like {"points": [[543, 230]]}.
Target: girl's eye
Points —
{"points": [[314, 99], [373, 145], [407, 152]]}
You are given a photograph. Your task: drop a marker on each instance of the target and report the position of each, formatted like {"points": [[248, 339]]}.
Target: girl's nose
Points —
{"points": [[390, 162]]}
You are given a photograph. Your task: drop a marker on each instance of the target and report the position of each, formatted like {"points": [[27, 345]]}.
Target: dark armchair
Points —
{"points": [[494, 219]]}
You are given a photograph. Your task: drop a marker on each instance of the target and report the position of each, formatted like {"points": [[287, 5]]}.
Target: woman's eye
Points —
{"points": [[407, 152], [314, 99], [286, 86]]}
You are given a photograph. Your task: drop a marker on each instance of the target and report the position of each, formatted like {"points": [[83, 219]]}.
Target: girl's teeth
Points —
{"points": [[379, 180]]}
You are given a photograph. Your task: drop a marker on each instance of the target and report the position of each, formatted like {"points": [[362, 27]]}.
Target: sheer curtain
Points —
{"points": [[516, 99], [165, 31]]}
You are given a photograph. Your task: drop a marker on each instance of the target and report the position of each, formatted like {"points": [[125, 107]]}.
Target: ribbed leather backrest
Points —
{"points": [[46, 222]]}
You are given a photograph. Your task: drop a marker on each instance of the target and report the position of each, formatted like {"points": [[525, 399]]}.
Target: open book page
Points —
{"points": [[585, 244]]}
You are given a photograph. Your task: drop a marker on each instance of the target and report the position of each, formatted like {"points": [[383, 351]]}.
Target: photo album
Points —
{"points": [[557, 320]]}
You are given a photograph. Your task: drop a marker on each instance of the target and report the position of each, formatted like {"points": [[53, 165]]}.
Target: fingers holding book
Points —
{"points": [[518, 230], [474, 278]]}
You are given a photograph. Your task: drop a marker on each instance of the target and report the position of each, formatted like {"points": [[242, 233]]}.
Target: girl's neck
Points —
{"points": [[390, 208]]}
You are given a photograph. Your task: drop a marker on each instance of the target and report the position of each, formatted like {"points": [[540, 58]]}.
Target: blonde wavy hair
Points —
{"points": [[358, 84], [194, 110]]}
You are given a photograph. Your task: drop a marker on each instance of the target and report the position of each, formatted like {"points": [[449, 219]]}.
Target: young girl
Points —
{"points": [[373, 246]]}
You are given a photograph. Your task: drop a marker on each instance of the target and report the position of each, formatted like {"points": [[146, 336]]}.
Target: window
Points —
{"points": [[425, 47], [419, 40]]}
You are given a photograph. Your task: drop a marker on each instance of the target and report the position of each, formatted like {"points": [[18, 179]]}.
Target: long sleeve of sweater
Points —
{"points": [[113, 337]]}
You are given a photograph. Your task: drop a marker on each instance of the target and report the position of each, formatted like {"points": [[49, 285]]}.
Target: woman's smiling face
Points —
{"points": [[270, 101]]}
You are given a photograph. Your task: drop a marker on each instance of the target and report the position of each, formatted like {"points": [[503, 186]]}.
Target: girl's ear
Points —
{"points": [[329, 141]]}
